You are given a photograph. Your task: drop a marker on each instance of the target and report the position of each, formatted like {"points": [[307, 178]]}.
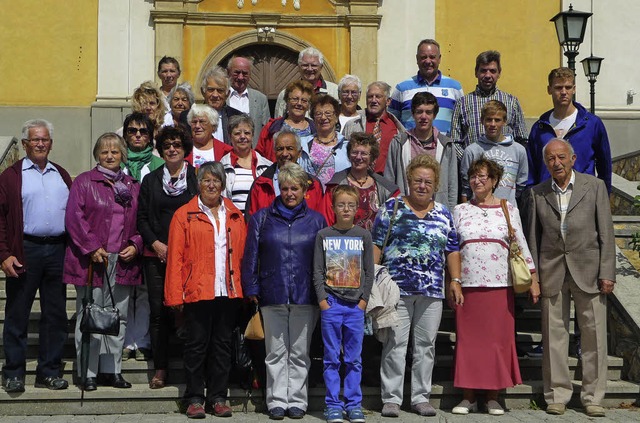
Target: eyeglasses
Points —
{"points": [[362, 154], [211, 182], [134, 131], [347, 93], [36, 141], [328, 115], [480, 178], [420, 182], [296, 100], [201, 122], [346, 206], [176, 144]]}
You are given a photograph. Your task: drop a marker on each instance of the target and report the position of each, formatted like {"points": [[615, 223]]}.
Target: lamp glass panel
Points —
{"points": [[575, 26], [560, 30]]}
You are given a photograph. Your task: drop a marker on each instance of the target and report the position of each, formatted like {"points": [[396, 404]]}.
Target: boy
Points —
{"points": [[343, 276], [495, 146]]}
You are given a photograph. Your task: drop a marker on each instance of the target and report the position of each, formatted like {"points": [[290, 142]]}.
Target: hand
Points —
{"points": [[606, 286], [128, 254], [253, 298], [534, 291], [10, 265], [324, 305], [160, 249], [99, 256], [455, 296], [362, 305]]}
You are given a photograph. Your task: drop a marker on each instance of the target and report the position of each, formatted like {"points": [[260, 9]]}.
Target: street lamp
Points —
{"points": [[591, 67], [570, 28]]}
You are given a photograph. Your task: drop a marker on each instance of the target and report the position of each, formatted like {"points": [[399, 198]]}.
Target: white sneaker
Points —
{"points": [[494, 408], [465, 407]]}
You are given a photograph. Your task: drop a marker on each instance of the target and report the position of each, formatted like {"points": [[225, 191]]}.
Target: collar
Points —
{"points": [[28, 164], [384, 117], [245, 93], [559, 190], [319, 84], [423, 81], [485, 93], [204, 209]]}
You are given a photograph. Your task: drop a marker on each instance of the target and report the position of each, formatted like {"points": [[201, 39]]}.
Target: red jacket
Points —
{"points": [[265, 141], [219, 150], [191, 254]]}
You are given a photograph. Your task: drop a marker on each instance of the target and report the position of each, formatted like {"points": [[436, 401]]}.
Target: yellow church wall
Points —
{"points": [[49, 53], [267, 6], [519, 29]]}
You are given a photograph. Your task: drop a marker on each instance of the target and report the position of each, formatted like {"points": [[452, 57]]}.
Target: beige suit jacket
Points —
{"points": [[589, 248]]}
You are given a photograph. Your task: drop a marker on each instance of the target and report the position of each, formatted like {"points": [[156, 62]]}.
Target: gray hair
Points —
{"points": [[110, 136], [204, 110], [215, 169], [218, 74], [386, 88], [236, 120], [248, 58], [294, 173], [36, 123], [287, 131], [565, 142], [185, 87], [348, 80], [313, 52]]}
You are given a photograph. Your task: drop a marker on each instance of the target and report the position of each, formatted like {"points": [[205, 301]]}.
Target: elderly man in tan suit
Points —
{"points": [[570, 234]]}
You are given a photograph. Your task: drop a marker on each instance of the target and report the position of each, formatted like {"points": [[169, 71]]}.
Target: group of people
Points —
{"points": [[195, 210]]}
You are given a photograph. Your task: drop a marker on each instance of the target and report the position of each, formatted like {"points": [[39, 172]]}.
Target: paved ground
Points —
{"points": [[513, 416]]}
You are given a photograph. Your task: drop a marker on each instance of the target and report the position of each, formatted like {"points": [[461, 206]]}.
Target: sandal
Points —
{"points": [[158, 380]]}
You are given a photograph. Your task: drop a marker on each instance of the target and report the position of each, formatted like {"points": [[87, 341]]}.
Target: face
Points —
{"points": [[349, 97], [562, 91], [210, 190], [292, 194], [173, 151], [286, 150], [110, 156], [481, 184], [169, 75], [297, 104], [325, 118], [310, 68], [493, 125], [360, 157], [240, 74], [428, 59], [179, 103], [377, 101], [201, 130], [559, 161], [149, 106], [215, 94], [38, 145], [137, 136], [488, 76], [422, 185], [424, 116], [345, 208], [241, 137]]}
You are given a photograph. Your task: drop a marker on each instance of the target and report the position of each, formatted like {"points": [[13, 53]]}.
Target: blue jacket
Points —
{"points": [[588, 138], [278, 258]]}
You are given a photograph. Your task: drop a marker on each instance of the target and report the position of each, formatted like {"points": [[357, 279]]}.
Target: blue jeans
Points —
{"points": [[342, 325]]}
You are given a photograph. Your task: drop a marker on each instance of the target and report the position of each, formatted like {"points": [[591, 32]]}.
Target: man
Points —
{"points": [[466, 125], [429, 78], [570, 233], [245, 99], [570, 121], [33, 199], [310, 63], [384, 126], [215, 89]]}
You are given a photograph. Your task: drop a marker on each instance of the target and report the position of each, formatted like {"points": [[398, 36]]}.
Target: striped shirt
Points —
{"points": [[466, 125], [564, 197], [241, 186], [446, 90]]}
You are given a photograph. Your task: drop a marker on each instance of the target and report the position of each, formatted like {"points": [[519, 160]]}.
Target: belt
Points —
{"points": [[58, 239]]}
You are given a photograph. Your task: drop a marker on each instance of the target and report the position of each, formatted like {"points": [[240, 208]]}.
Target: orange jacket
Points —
{"points": [[191, 257]]}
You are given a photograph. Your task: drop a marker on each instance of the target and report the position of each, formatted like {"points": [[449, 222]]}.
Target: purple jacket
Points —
{"points": [[88, 220]]}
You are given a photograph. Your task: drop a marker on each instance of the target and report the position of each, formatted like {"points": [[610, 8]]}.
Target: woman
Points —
{"points": [[148, 99], [421, 242], [324, 153], [298, 96], [373, 189], [485, 357], [168, 72], [101, 223], [162, 192], [180, 100], [243, 165], [277, 274], [206, 243], [203, 121], [349, 89]]}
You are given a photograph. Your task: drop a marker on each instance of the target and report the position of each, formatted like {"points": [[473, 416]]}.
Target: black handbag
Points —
{"points": [[97, 319]]}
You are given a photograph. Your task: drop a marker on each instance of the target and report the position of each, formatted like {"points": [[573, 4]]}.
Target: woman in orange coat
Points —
{"points": [[206, 243]]}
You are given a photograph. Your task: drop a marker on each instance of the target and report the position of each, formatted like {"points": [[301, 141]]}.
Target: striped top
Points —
{"points": [[446, 90], [241, 186]]}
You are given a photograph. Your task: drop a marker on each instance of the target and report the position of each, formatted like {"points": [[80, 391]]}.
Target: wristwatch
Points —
{"points": [[456, 280]]}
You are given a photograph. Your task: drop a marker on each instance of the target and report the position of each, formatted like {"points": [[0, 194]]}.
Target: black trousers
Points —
{"points": [[161, 318], [207, 349]]}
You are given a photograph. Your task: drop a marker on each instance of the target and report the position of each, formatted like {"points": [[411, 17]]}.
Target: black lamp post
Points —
{"points": [[570, 28], [591, 67]]}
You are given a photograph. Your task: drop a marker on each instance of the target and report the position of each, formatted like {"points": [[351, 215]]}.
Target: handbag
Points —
{"points": [[520, 273], [95, 318], [255, 328]]}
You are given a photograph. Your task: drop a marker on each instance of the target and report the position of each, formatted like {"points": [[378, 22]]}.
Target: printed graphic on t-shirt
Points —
{"points": [[343, 258]]}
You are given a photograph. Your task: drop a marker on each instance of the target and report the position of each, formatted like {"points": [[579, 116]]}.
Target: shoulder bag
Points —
{"points": [[97, 319], [520, 273]]}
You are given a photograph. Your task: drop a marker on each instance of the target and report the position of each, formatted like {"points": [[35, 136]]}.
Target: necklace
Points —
{"points": [[484, 211], [327, 142], [357, 181]]}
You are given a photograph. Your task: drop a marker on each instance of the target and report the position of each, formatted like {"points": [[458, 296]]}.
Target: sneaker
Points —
{"points": [[424, 409], [220, 409], [295, 413], [390, 409], [355, 415], [276, 413], [333, 415], [196, 411], [127, 353], [494, 409], [465, 407], [594, 410], [536, 352]]}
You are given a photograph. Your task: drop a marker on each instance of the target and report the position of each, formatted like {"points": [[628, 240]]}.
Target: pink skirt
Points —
{"points": [[485, 356]]}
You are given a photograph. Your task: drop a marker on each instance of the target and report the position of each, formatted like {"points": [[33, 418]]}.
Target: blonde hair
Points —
{"points": [[145, 92], [425, 161]]}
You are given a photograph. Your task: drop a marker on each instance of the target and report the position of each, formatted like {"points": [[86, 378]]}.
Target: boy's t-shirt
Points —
{"points": [[343, 264]]}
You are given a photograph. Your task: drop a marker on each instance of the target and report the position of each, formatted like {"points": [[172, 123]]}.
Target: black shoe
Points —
{"points": [[14, 384], [115, 380], [91, 384], [51, 382], [295, 413], [276, 413]]}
